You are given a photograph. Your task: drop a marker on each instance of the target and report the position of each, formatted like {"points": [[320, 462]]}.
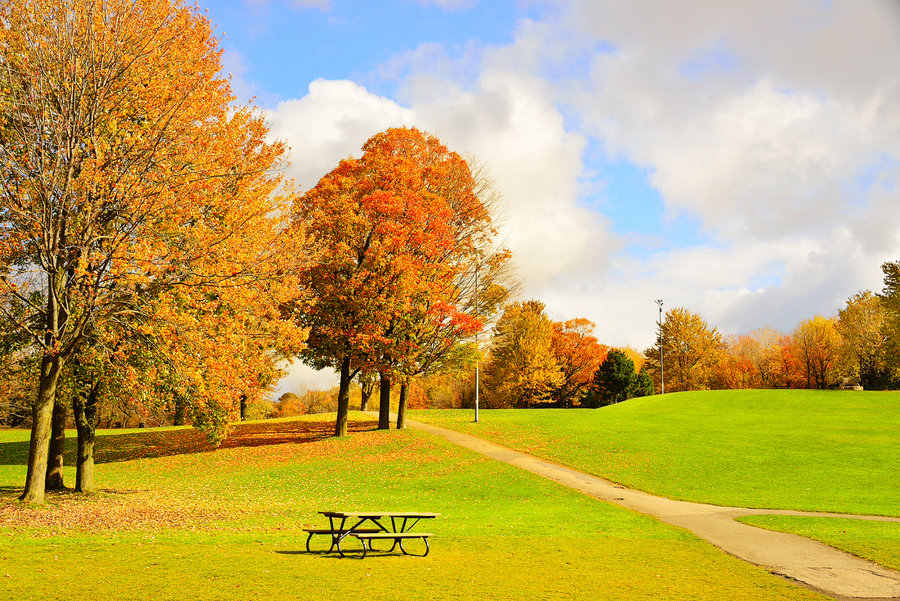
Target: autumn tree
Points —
{"points": [[366, 388], [16, 391], [754, 361], [578, 355], [764, 353], [862, 325], [479, 282], [691, 352], [636, 357], [126, 170], [737, 370], [816, 345], [521, 368], [792, 374], [890, 299], [394, 234]]}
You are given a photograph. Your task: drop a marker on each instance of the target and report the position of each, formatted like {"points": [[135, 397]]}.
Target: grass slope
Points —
{"points": [[184, 521], [810, 450], [807, 450]]}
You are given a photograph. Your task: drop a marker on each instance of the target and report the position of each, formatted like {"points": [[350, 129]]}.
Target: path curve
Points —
{"points": [[823, 568]]}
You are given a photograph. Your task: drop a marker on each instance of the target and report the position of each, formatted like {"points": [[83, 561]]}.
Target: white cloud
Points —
{"points": [[770, 123], [773, 124], [331, 123], [509, 121]]}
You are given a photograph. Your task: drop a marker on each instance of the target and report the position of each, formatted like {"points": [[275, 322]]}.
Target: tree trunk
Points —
{"points": [[42, 414], [178, 413], [54, 478], [367, 387], [85, 409], [401, 406], [384, 402], [343, 408], [243, 407]]}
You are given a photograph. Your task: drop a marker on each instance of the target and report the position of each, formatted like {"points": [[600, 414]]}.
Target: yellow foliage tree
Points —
{"points": [[864, 336], [692, 352], [522, 369], [817, 345], [126, 170]]}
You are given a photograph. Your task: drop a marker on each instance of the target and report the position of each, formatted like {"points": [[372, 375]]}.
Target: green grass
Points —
{"points": [[808, 450], [876, 541], [184, 521]]}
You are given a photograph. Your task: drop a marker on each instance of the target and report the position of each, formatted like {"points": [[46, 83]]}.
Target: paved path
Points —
{"points": [[827, 570]]}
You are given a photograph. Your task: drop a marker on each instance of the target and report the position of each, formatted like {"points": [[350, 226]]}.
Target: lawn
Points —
{"points": [[877, 541], [824, 451], [836, 451], [176, 519]]}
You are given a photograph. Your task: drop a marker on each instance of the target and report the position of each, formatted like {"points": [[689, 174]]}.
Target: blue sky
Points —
{"points": [[285, 45], [737, 159]]}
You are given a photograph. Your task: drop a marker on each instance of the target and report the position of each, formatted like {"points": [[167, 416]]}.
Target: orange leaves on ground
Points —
{"points": [[108, 512]]}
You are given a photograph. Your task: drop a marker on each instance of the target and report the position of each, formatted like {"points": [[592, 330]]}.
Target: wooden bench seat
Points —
{"points": [[397, 537], [314, 531]]}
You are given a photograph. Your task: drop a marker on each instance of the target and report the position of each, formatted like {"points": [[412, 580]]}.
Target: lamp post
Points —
{"points": [[477, 349], [662, 379]]}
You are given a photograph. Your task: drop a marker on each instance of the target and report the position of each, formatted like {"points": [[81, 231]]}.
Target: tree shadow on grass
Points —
{"points": [[112, 447]]}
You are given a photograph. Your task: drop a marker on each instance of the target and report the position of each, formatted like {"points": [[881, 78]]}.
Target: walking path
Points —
{"points": [[827, 570]]}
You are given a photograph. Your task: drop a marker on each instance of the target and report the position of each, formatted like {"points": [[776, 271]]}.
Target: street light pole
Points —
{"points": [[662, 373], [477, 349]]}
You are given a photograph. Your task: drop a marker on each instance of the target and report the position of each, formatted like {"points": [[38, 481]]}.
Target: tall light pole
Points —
{"points": [[477, 349], [662, 379]]}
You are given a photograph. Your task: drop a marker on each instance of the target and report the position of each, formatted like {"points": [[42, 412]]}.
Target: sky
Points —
{"points": [[739, 159]]}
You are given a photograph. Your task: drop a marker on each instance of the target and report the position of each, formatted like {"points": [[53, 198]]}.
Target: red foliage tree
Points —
{"points": [[387, 233]]}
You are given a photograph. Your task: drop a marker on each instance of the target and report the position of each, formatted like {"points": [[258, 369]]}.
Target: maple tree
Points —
{"points": [[479, 283], [765, 354], [578, 354], [127, 170], [753, 361], [394, 234], [737, 369]]}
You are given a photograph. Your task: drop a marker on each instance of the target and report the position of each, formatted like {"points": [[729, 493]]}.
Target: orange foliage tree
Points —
{"points": [[127, 170], [578, 355], [755, 360], [738, 369], [396, 236]]}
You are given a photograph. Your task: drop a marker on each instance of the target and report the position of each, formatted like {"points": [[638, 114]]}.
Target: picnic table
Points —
{"points": [[372, 525]]}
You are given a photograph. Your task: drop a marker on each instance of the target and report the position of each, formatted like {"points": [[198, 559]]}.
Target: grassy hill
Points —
{"points": [[787, 449], [824, 451], [176, 519]]}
